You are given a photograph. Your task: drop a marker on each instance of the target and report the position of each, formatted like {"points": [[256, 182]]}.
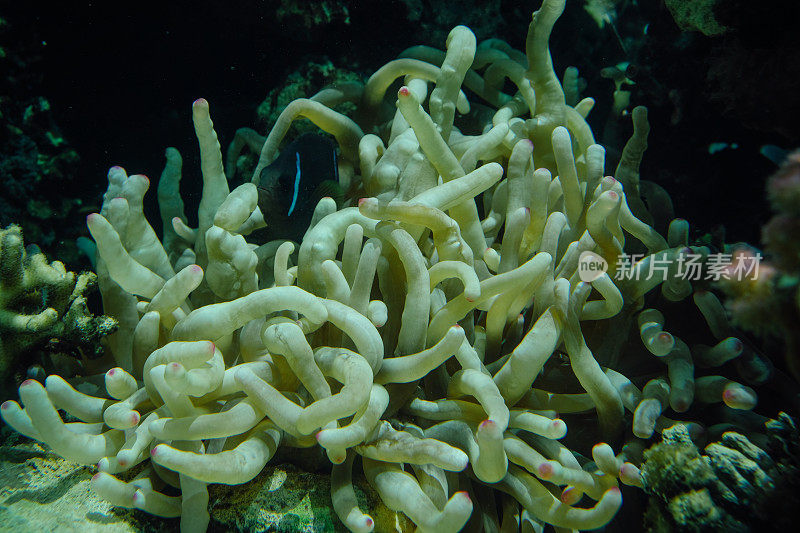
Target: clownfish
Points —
{"points": [[290, 187]]}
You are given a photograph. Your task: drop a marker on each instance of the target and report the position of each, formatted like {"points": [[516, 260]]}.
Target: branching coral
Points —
{"points": [[41, 302], [416, 332]]}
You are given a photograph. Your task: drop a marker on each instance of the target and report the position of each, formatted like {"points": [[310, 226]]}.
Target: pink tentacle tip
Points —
{"points": [[613, 195], [200, 102], [628, 470], [111, 372], [122, 462], [91, 217], [614, 491], [545, 470], [729, 394], [28, 382], [154, 451], [567, 495], [96, 476], [487, 424], [196, 268], [369, 522], [317, 434], [362, 201], [464, 494], [404, 91], [6, 405], [211, 346], [135, 417], [458, 327], [175, 365], [116, 168]]}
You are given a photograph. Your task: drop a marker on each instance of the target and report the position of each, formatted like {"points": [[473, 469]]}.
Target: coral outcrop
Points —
{"points": [[734, 485], [40, 303]]}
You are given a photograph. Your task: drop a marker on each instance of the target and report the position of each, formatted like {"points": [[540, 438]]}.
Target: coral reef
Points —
{"points": [[734, 486], [313, 15], [434, 17], [307, 79], [696, 15], [36, 161], [42, 303], [441, 333]]}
